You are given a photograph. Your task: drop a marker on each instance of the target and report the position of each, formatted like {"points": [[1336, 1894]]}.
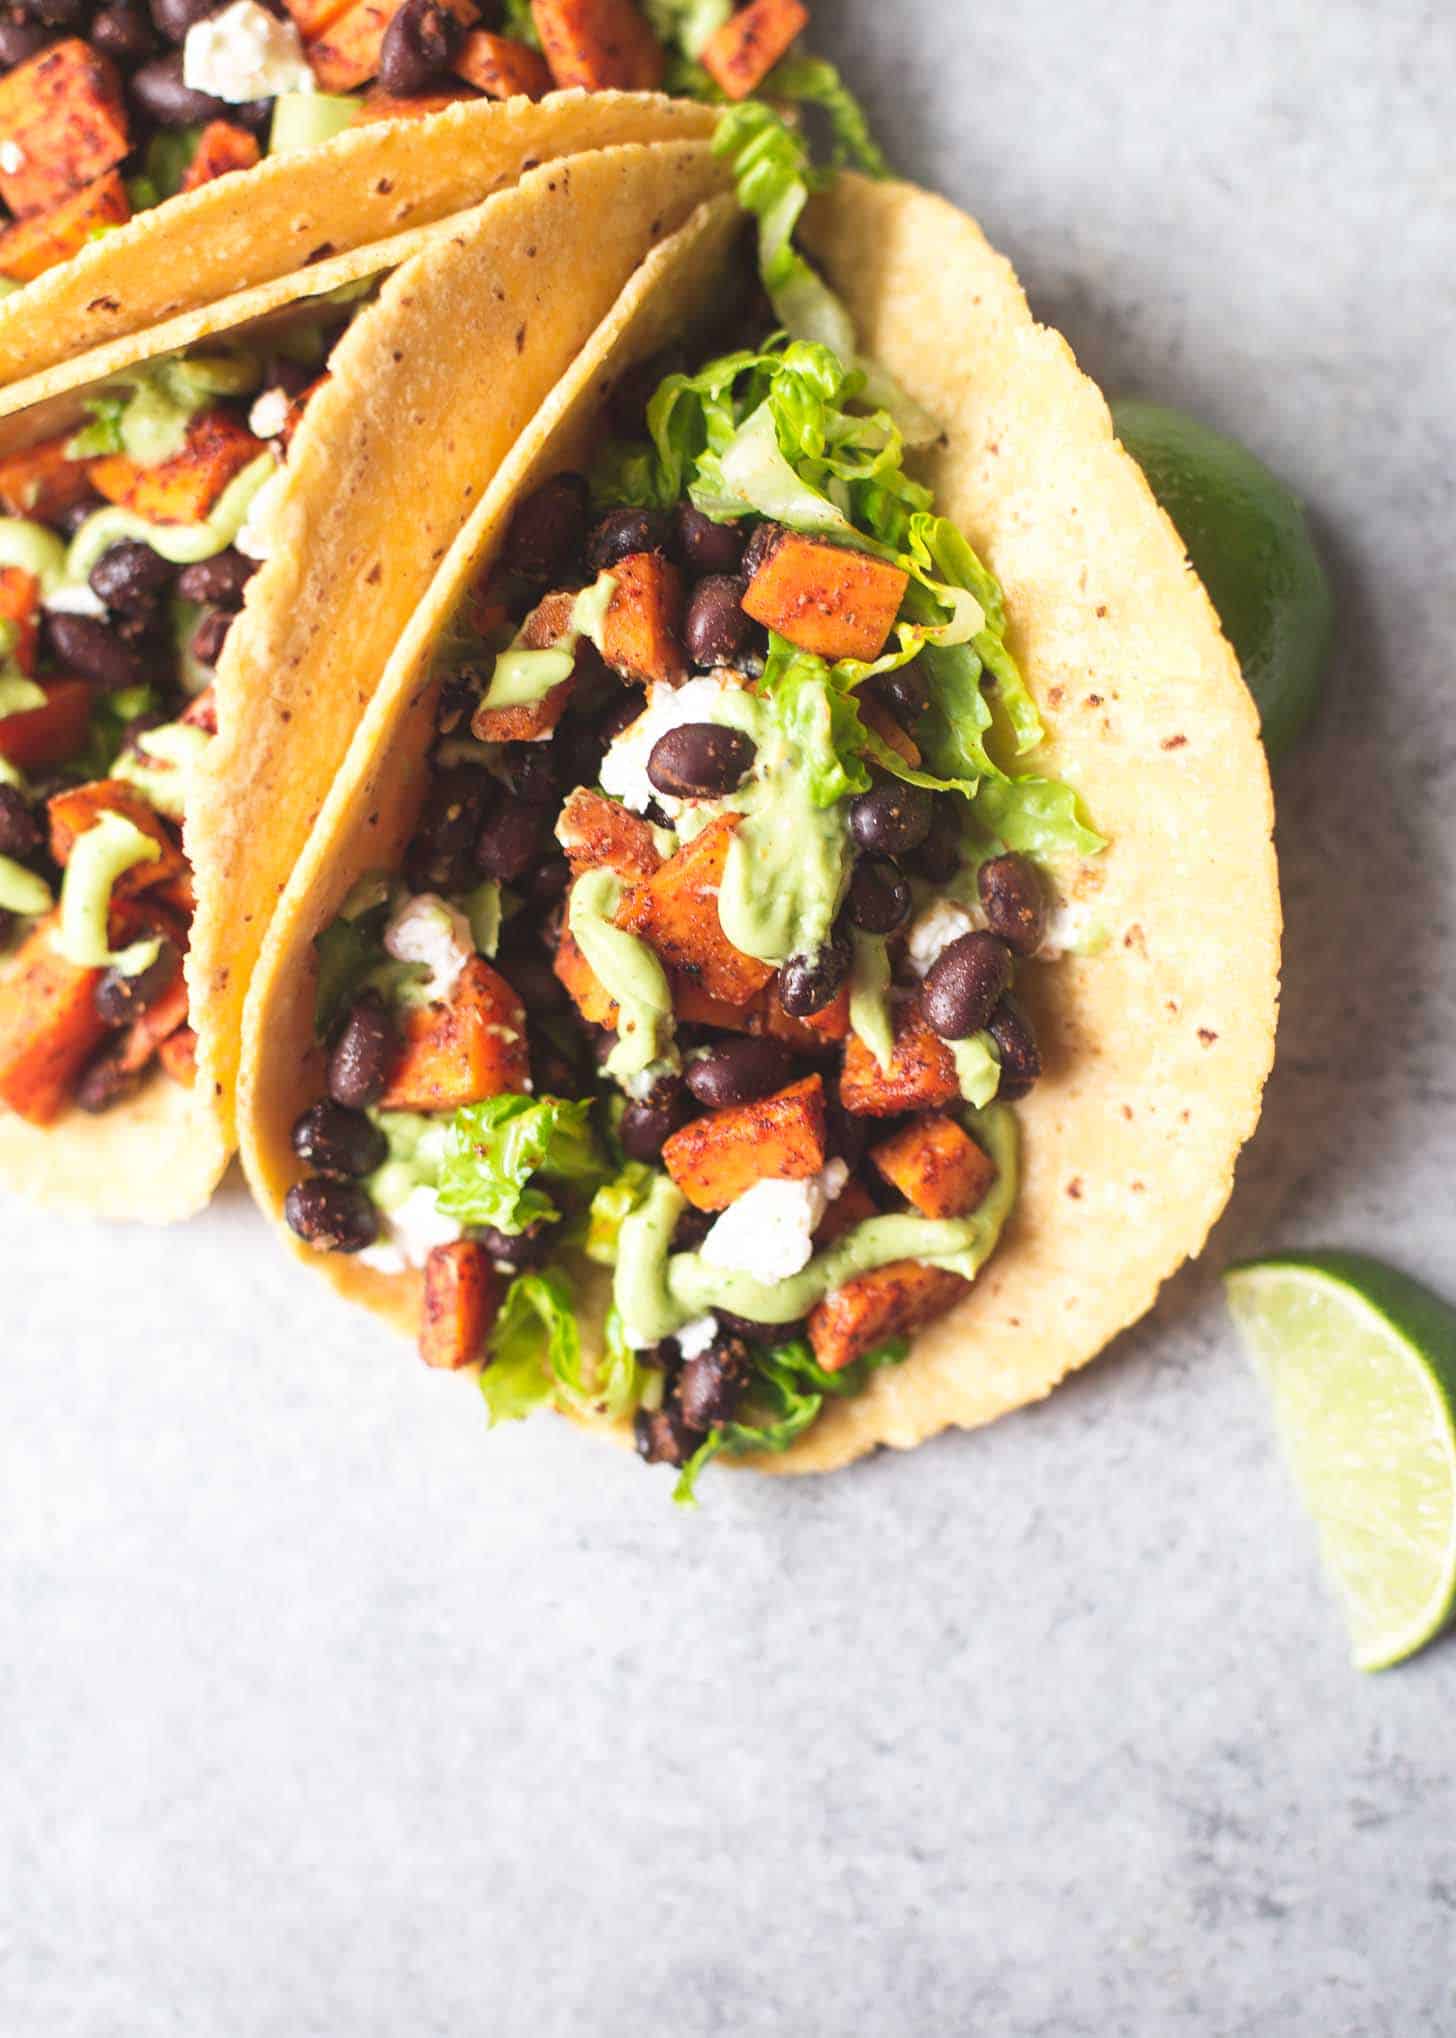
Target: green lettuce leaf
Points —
{"points": [[1039, 816], [614, 1200], [813, 81], [534, 1335], [820, 718], [497, 1147]]}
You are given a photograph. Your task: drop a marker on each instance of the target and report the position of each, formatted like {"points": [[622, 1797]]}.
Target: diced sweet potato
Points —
{"points": [[921, 1075], [676, 913], [377, 104], [750, 42], [64, 120], [815, 1035], [877, 717], [601, 45], [48, 1027], [464, 1049], [853, 1205], [586, 989], [31, 246], [935, 1165], [868, 1311], [178, 1056], [80, 807], [779, 1138], [502, 68], [183, 489], [529, 721], [642, 634], [221, 148], [346, 55], [693, 1007], [37, 738], [42, 481], [828, 599], [314, 16], [20, 607], [463, 1292], [599, 833]]}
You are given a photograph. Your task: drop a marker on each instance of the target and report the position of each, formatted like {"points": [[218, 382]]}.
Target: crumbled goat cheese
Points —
{"points": [[694, 1338], [269, 414], [408, 1234], [255, 539], [12, 158], [74, 601], [624, 768], [425, 929], [245, 53], [933, 930], [769, 1231]]}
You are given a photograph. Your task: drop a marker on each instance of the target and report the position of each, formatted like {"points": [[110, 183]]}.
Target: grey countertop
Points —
{"points": [[320, 1713]]}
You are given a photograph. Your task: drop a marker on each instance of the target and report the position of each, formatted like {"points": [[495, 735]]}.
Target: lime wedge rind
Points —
{"points": [[1360, 1366]]}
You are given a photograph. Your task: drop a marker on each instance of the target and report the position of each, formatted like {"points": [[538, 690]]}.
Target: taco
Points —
{"points": [[791, 958], [164, 741]]}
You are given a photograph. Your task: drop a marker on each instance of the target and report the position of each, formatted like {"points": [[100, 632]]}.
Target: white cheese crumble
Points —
{"points": [[74, 601], [425, 929], [694, 1338], [245, 53], [255, 539], [934, 930], [12, 158], [269, 414], [624, 768], [408, 1234], [769, 1231]]}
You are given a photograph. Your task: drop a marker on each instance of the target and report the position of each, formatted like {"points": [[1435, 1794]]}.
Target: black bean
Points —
{"points": [[879, 898], [548, 527], [219, 581], [334, 1217], [175, 17], [441, 856], [130, 576], [939, 855], [338, 1141], [161, 95], [663, 1357], [531, 771], [965, 983], [891, 818], [255, 114], [70, 519], [19, 41], [738, 1071], [513, 1252], [91, 650], [904, 692], [20, 832], [757, 1333], [512, 838], [118, 999], [715, 627], [210, 636], [663, 1438], [710, 1386], [1016, 1044], [419, 46], [124, 31], [645, 1125], [691, 1229], [1015, 907], [548, 881], [765, 537], [700, 760], [623, 531], [706, 547], [363, 1055], [106, 1081], [621, 714], [807, 983], [55, 13]]}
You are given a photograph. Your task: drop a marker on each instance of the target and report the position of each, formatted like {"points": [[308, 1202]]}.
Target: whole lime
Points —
{"points": [[1249, 540]]}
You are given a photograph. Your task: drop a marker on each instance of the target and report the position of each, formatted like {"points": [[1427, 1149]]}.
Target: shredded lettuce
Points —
{"points": [[820, 721], [1039, 816], [535, 1357], [814, 81], [499, 1146], [612, 1202]]}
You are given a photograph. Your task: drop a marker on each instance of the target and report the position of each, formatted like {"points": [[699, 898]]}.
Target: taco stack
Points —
{"points": [[790, 958]]}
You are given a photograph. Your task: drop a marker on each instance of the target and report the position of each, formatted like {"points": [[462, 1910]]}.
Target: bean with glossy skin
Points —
{"points": [[646, 1124], [513, 1252], [1016, 1044], [20, 41], [623, 531], [55, 13], [175, 17], [333, 1217], [161, 94], [210, 636], [20, 832], [904, 692], [124, 32], [939, 855], [1015, 907], [548, 527], [808, 983], [87, 648], [736, 1071], [765, 536], [891, 818], [105, 1083], [363, 1055], [419, 46], [716, 628], [700, 760], [965, 984], [337, 1141], [219, 582], [662, 1437], [691, 1229], [118, 999], [130, 576], [511, 839], [710, 1386], [620, 715], [879, 898], [706, 547], [440, 858]]}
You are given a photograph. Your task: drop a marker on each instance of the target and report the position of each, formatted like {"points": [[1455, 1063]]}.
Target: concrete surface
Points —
{"points": [[322, 1714]]}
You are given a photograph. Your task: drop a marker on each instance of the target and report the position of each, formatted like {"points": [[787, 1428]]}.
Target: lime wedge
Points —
{"points": [[1360, 1363]]}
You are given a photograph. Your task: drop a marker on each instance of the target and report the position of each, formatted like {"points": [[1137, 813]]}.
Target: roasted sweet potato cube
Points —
{"points": [[178, 1056], [31, 246], [221, 147], [642, 634], [868, 1311], [779, 1138], [183, 489], [502, 68], [314, 16], [37, 738], [346, 55], [48, 1027], [749, 44], [529, 721], [601, 45], [598, 833], [463, 1049], [936, 1165], [377, 104], [921, 1075], [62, 125], [587, 991], [826, 598], [42, 481], [20, 608], [80, 807], [676, 913], [463, 1293], [853, 1205], [693, 1007], [817, 1034]]}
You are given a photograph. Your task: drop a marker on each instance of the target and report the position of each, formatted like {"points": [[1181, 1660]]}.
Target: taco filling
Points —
{"points": [[701, 964], [125, 552]]}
